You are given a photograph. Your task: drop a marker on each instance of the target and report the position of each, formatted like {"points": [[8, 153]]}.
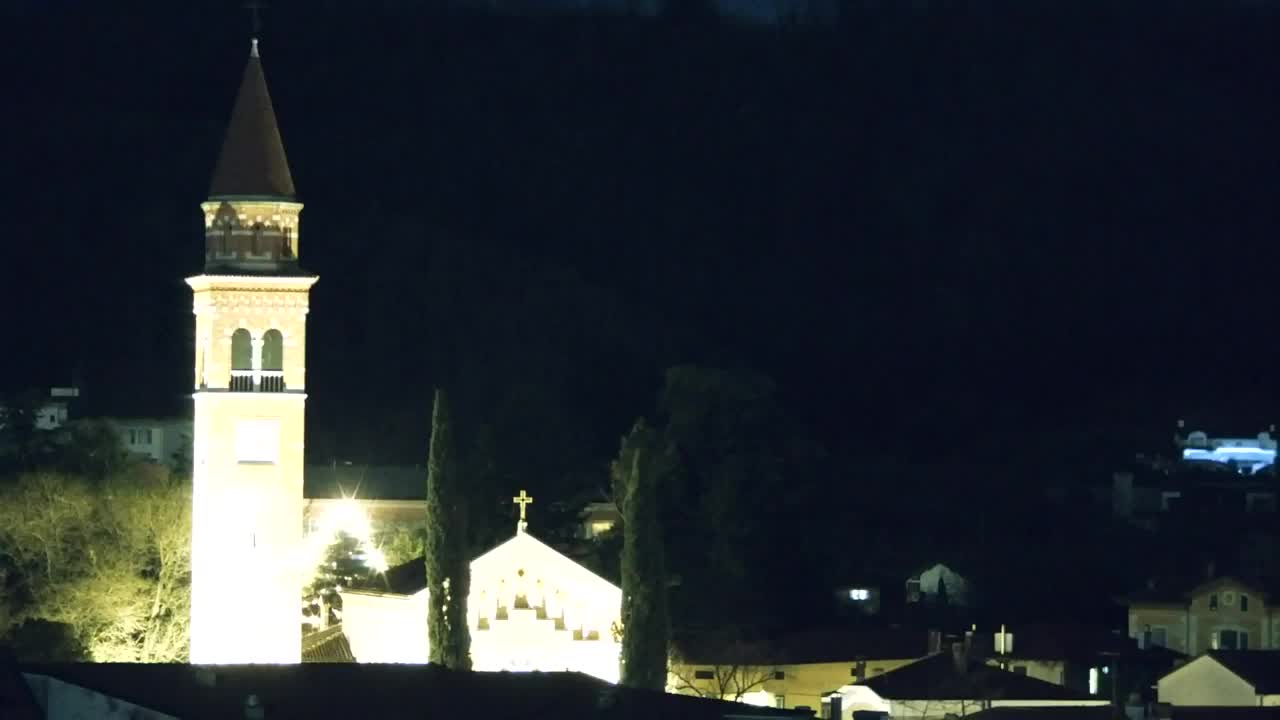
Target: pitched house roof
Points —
{"points": [[252, 162], [1177, 591], [16, 699], [1259, 668], [938, 678], [388, 692], [1045, 641], [1218, 713], [1102, 712], [826, 645]]}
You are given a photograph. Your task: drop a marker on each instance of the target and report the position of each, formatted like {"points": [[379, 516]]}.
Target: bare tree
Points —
{"points": [[112, 561], [740, 668]]}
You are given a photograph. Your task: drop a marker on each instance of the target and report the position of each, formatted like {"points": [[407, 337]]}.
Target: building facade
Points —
{"points": [[1221, 614]]}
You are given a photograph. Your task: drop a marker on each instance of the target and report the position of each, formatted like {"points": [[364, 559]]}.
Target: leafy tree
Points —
{"points": [[637, 473], [340, 567], [448, 568], [93, 449], [400, 542], [731, 446]]}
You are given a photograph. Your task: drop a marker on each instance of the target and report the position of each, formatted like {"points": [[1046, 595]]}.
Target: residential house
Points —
{"points": [[1203, 475], [796, 669], [598, 518], [954, 683], [338, 496], [158, 440], [1224, 678], [939, 584], [1221, 613], [111, 691], [49, 412]]}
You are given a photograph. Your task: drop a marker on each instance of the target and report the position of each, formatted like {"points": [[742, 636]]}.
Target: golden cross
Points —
{"points": [[522, 500]]}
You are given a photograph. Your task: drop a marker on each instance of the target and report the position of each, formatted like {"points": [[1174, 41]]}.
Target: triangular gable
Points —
{"points": [[525, 551], [1206, 658], [1227, 582]]}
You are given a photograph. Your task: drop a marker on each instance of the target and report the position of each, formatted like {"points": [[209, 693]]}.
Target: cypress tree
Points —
{"points": [[448, 570], [645, 625]]}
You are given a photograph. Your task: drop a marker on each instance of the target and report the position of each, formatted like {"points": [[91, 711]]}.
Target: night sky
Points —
{"points": [[944, 229]]}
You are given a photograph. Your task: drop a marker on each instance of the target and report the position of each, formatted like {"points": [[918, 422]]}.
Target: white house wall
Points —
{"points": [[1205, 682], [386, 628]]}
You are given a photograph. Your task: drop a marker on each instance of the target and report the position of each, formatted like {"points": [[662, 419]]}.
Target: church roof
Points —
{"points": [[252, 162], [327, 646], [410, 578], [390, 692]]}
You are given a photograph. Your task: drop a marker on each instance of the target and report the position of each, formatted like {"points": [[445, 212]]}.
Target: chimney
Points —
{"points": [[1004, 642], [837, 706], [959, 657]]}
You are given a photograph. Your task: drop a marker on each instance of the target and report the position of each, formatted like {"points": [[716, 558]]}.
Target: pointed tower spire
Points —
{"points": [[252, 163]]}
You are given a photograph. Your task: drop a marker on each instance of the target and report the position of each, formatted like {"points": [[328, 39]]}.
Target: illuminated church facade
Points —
{"points": [[531, 608]]}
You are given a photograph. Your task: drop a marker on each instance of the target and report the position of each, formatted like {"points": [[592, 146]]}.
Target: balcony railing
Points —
{"points": [[257, 381]]}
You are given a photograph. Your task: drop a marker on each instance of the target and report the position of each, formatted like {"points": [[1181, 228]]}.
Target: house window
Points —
{"points": [[780, 701], [1244, 603], [1213, 601], [1159, 637], [140, 436], [779, 675], [703, 675], [913, 590], [1231, 640], [1019, 669], [1228, 599]]}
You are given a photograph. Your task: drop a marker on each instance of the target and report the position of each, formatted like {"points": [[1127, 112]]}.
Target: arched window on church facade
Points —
{"points": [[241, 361], [272, 361]]}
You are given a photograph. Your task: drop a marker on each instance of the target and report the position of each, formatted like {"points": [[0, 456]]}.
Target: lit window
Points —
{"points": [[859, 594], [258, 441]]}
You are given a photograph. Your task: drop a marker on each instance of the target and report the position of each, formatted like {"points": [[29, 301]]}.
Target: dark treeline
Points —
{"points": [[952, 233]]}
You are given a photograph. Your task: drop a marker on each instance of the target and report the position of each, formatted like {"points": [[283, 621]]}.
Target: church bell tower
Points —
{"points": [[250, 394]]}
